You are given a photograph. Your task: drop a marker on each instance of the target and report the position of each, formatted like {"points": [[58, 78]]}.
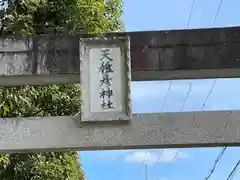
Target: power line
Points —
{"points": [[216, 162], [232, 173], [160, 154], [215, 18], [158, 159], [165, 100], [141, 164], [177, 153], [185, 100], [204, 103], [146, 171], [169, 87], [218, 10], [190, 14], [188, 22], [173, 161]]}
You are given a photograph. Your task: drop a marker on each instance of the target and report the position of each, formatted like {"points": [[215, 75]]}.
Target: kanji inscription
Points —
{"points": [[105, 78], [106, 70]]}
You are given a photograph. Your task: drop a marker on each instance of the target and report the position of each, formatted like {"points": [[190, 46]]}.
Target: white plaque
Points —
{"points": [[105, 79]]}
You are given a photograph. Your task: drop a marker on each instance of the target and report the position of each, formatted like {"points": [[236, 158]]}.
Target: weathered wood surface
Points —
{"points": [[186, 54], [160, 130], [155, 55], [39, 55], [186, 49], [15, 56]]}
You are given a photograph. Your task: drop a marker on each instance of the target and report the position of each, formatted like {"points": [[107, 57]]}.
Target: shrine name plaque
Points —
{"points": [[105, 77]]}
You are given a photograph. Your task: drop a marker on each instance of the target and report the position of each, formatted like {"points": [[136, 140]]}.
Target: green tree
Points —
{"points": [[34, 17], [61, 16]]}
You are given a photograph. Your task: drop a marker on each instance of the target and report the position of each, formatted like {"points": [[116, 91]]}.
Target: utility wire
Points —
{"points": [[216, 162], [173, 161], [175, 157], [170, 165], [218, 10], [204, 103], [232, 173], [177, 153], [185, 100], [214, 21], [189, 91], [158, 159], [188, 22], [141, 164], [191, 11], [165, 100], [169, 87]]}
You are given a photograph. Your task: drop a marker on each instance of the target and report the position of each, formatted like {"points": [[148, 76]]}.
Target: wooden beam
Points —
{"points": [[161, 130], [155, 55], [186, 54]]}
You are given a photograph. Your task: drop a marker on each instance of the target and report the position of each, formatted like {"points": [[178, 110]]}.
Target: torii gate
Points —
{"points": [[109, 123]]}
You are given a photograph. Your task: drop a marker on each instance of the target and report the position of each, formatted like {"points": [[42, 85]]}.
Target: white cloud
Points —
{"points": [[151, 158], [142, 157], [106, 156]]}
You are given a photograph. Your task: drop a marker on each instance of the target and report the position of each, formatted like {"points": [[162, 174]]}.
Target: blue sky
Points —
{"points": [[189, 164]]}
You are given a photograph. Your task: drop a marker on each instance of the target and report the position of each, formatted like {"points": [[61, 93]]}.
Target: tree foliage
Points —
{"points": [[34, 17], [61, 16]]}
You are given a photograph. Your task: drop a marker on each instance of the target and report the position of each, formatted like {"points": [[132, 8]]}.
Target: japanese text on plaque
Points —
{"points": [[106, 91]]}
